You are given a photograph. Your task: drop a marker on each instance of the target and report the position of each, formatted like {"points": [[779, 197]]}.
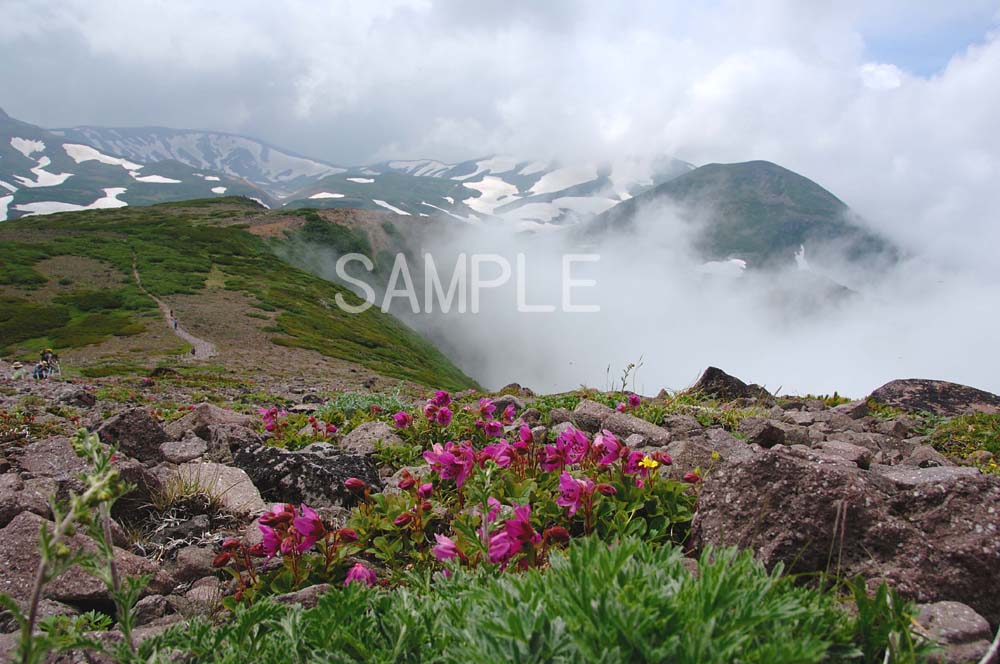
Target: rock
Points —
{"points": [[589, 415], [925, 456], [680, 426], [11, 487], [150, 608], [531, 416], [981, 457], [72, 395], [307, 597], [561, 427], [313, 399], [193, 562], [188, 529], [964, 633], [232, 487], [19, 561], [717, 384], [856, 410], [818, 456], [206, 591], [418, 473], [859, 456], [145, 486], [687, 455], [931, 533], [624, 425], [361, 440], [728, 446], [505, 400], [936, 396], [559, 415], [795, 434], [909, 477], [204, 416], [225, 439], [898, 428], [759, 431], [136, 433], [189, 448], [46, 608], [54, 459], [308, 476]]}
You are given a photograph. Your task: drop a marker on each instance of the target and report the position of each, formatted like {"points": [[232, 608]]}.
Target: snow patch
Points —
{"points": [[82, 153], [260, 202], [533, 167], [494, 192], [563, 178], [152, 179], [733, 267], [4, 202], [326, 194], [390, 207], [109, 200], [8, 186], [26, 146], [42, 177], [449, 199], [470, 219], [210, 178], [218, 190], [361, 180], [492, 165]]}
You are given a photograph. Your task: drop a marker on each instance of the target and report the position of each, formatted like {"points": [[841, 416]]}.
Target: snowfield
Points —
{"points": [[361, 180], [26, 146], [390, 207], [499, 164], [109, 200], [218, 190], [563, 178], [494, 192], [325, 194], [82, 153], [4, 202], [42, 177], [153, 179], [210, 178]]}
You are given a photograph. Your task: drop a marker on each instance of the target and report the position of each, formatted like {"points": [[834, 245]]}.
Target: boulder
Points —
{"points": [[504, 400], [19, 562], [859, 456], [964, 634], [856, 410], [759, 431], [189, 448], [559, 415], [362, 439], [680, 426], [925, 456], [590, 415], [136, 433], [306, 598], [73, 395], [932, 533], [193, 562], [204, 416], [624, 425], [150, 608], [224, 439], [232, 487], [936, 396], [145, 486], [11, 487], [313, 476], [717, 384]]}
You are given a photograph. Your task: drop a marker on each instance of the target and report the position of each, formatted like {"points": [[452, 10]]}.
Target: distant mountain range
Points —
{"points": [[752, 213]]}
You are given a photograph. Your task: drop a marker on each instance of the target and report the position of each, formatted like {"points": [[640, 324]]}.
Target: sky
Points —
{"points": [[890, 104]]}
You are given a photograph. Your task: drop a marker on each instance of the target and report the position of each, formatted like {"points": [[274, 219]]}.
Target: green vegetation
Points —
{"points": [[631, 602], [176, 246], [962, 437]]}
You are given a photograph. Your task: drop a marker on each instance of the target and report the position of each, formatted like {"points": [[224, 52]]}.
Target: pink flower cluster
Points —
{"points": [[436, 409], [633, 402], [272, 418], [320, 428]]}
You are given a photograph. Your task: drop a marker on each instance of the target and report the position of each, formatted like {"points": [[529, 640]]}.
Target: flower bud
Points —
{"points": [[426, 506], [692, 478], [402, 519], [354, 485], [663, 458], [347, 535], [556, 534], [407, 483], [606, 489], [230, 544], [221, 560], [257, 550]]}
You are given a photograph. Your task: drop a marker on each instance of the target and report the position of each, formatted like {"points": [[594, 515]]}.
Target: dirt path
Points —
{"points": [[202, 349]]}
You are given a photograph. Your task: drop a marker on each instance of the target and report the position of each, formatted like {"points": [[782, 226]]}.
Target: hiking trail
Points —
{"points": [[202, 349]]}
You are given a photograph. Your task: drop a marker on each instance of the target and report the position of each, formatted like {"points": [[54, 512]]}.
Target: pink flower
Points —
{"points": [[634, 401], [524, 433], [692, 478], [360, 574], [355, 485], [508, 414], [516, 534], [621, 407], [424, 491], [441, 399], [309, 527], [607, 447], [501, 452], [574, 493], [430, 411], [402, 419], [444, 416], [453, 461], [271, 542], [331, 428], [632, 466], [570, 447], [486, 408], [493, 429], [446, 548]]}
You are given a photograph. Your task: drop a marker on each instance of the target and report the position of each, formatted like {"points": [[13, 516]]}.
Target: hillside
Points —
{"points": [[755, 211], [41, 173], [66, 282]]}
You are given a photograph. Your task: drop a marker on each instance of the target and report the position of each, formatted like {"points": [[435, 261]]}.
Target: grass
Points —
{"points": [[181, 247], [961, 437], [629, 602]]}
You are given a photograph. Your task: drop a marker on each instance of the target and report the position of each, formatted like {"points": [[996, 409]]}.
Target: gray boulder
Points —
{"points": [[589, 415], [136, 433], [936, 396], [362, 439]]}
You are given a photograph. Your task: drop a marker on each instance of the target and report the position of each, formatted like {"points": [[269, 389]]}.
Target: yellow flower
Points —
{"points": [[649, 463], [715, 456]]}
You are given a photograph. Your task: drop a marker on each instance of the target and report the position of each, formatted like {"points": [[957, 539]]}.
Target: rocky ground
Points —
{"points": [[815, 487]]}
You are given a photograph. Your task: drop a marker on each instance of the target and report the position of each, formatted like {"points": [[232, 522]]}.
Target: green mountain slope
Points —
{"points": [[756, 210], [199, 257]]}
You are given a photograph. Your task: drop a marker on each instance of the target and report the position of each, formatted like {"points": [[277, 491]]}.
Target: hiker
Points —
{"points": [[49, 356], [40, 371], [18, 371], [175, 323]]}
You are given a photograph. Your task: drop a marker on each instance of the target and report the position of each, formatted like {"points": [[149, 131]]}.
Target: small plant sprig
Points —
{"points": [[90, 511]]}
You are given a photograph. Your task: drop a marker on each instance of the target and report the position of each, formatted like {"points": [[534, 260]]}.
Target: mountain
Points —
{"points": [[277, 171], [527, 195], [42, 172], [754, 212], [72, 282]]}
